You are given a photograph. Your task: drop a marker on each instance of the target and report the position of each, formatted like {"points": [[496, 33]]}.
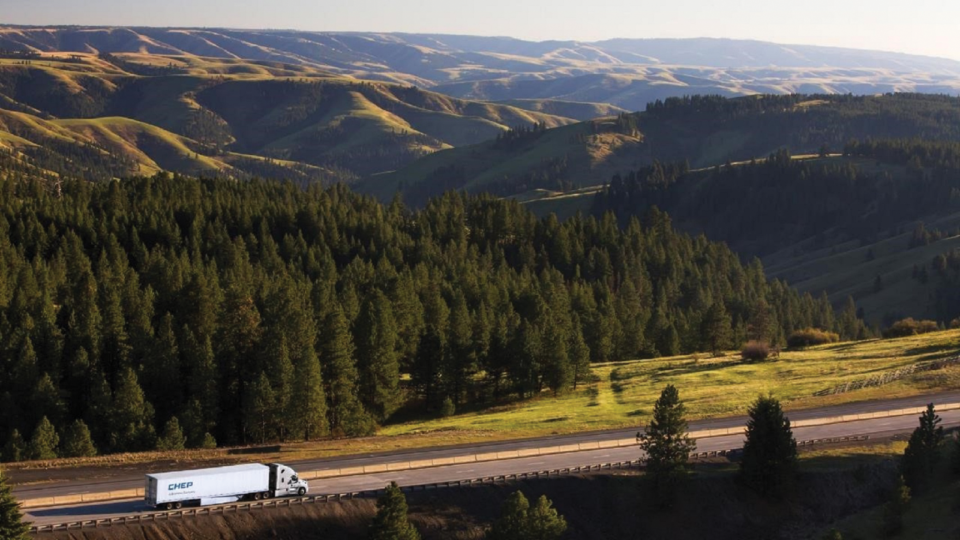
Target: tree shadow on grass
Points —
{"points": [[593, 394]]}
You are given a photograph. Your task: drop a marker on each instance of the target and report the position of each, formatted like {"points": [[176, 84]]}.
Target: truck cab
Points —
{"points": [[284, 481]]}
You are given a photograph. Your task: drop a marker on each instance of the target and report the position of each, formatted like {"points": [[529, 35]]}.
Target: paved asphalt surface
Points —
{"points": [[880, 426], [127, 480]]}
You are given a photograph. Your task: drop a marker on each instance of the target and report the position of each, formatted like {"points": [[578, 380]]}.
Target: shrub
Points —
{"points": [[755, 351], [894, 509], [172, 438], [910, 327], [809, 337], [447, 408]]}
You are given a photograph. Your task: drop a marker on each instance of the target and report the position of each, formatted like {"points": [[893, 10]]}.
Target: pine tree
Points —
{"points": [[849, 323], [132, 416], [239, 336], [377, 359], [527, 354], [666, 445], [761, 324], [161, 371], [260, 412], [923, 451], [543, 521], [77, 441], [46, 400], [346, 413], [202, 378], [716, 329], [172, 437], [209, 442], [579, 353], [12, 526], [894, 509], [391, 522], [956, 455], [44, 442], [459, 361], [769, 459], [309, 398], [283, 384], [513, 519], [15, 448], [668, 343], [557, 371]]}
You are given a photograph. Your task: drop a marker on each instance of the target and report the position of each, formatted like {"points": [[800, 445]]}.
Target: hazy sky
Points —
{"points": [[930, 27]]}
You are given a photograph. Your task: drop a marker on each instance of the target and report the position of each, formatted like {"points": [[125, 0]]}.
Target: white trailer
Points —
{"points": [[176, 489]]}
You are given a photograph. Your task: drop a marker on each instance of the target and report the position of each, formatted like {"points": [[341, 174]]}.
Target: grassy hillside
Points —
{"points": [[111, 147], [621, 395], [704, 131], [712, 387], [577, 110], [623, 72], [850, 269], [283, 112], [559, 159]]}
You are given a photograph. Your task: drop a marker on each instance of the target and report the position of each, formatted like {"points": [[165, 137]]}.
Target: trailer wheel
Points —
{"points": [[302, 491], [178, 505], [169, 506], [266, 495], [256, 496]]}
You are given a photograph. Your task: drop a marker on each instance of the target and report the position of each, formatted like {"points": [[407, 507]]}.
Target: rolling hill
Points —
{"points": [[626, 73], [286, 114], [703, 131]]}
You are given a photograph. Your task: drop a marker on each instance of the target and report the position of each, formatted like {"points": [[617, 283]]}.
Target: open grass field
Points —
{"points": [[622, 396], [625, 392]]}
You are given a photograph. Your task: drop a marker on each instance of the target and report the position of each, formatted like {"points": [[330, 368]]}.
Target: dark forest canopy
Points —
{"points": [[257, 311], [707, 130], [887, 183]]}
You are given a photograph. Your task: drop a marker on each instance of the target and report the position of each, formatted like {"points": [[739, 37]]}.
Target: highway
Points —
{"points": [[346, 484], [54, 484]]}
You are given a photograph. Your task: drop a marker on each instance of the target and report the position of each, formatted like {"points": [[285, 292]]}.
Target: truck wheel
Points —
{"points": [[266, 495], [178, 505], [302, 491], [169, 506], [256, 496]]}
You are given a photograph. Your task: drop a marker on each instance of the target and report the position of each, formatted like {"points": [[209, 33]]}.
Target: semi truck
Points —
{"points": [[200, 487]]}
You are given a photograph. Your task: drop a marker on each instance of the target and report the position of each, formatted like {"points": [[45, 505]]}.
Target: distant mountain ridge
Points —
{"points": [[626, 73]]}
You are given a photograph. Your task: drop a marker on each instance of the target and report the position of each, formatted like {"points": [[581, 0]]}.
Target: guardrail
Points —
{"points": [[489, 456], [139, 519]]}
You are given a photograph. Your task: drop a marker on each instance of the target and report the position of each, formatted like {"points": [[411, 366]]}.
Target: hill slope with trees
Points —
{"points": [[168, 309], [879, 223], [702, 131]]}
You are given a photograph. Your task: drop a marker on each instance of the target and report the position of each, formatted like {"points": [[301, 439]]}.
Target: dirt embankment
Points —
{"points": [[596, 507]]}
